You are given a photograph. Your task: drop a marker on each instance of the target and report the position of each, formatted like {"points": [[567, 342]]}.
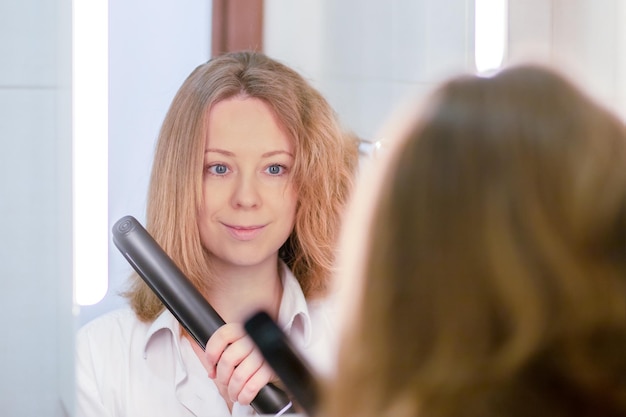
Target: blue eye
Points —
{"points": [[276, 169], [217, 169]]}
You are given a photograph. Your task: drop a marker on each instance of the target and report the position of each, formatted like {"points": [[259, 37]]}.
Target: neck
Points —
{"points": [[242, 291]]}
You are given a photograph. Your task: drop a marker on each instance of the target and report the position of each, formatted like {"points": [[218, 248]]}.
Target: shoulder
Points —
{"points": [[110, 331], [120, 320]]}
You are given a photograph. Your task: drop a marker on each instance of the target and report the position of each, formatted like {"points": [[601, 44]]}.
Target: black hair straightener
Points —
{"points": [[284, 359], [182, 299]]}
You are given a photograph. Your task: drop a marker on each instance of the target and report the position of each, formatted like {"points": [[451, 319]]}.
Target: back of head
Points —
{"points": [[494, 280]]}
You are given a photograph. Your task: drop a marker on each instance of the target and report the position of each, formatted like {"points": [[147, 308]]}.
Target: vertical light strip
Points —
{"points": [[490, 34], [90, 149]]}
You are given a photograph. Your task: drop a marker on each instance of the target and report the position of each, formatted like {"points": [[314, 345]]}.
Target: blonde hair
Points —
{"points": [[325, 161], [494, 277]]}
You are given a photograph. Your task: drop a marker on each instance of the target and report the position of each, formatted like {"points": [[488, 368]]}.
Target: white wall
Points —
{"points": [[367, 56], [584, 38], [36, 347]]}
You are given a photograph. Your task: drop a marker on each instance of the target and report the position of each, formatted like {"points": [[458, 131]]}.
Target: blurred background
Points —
{"points": [[85, 84]]}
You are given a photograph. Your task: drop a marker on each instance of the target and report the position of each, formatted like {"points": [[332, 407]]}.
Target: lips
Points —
{"points": [[244, 233]]}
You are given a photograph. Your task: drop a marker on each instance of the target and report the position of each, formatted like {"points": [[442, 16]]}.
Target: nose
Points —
{"points": [[246, 192]]}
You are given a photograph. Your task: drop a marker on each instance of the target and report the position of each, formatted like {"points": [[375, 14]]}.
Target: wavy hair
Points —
{"points": [[493, 280], [325, 161]]}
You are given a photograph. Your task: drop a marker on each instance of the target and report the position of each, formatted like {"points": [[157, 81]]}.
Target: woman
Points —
{"points": [[493, 278], [250, 175]]}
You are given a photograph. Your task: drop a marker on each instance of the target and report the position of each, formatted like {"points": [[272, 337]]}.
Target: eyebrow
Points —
{"points": [[265, 155]]}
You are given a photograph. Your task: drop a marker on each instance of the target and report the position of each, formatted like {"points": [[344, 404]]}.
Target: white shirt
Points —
{"points": [[128, 368]]}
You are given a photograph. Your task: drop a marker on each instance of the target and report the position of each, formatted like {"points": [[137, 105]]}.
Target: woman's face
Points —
{"points": [[249, 198]]}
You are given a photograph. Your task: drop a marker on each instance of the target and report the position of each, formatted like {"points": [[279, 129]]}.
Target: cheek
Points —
{"points": [[208, 208], [202, 221], [291, 203], [204, 211], [214, 195]]}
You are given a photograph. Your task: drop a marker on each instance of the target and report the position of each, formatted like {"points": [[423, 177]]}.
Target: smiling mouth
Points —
{"points": [[244, 233]]}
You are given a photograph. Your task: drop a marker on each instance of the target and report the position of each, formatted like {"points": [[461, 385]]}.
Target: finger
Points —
{"points": [[254, 384], [218, 342], [243, 372], [232, 358]]}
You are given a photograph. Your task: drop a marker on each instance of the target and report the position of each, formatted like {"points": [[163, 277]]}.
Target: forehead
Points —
{"points": [[245, 121]]}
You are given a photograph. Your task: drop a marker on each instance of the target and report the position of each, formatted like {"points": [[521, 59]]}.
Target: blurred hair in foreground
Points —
{"points": [[489, 263]]}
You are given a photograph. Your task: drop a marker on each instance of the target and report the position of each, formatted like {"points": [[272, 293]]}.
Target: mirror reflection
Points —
{"points": [[367, 58]]}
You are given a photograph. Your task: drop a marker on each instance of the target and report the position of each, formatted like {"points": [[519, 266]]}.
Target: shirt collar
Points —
{"points": [[293, 315], [164, 322]]}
